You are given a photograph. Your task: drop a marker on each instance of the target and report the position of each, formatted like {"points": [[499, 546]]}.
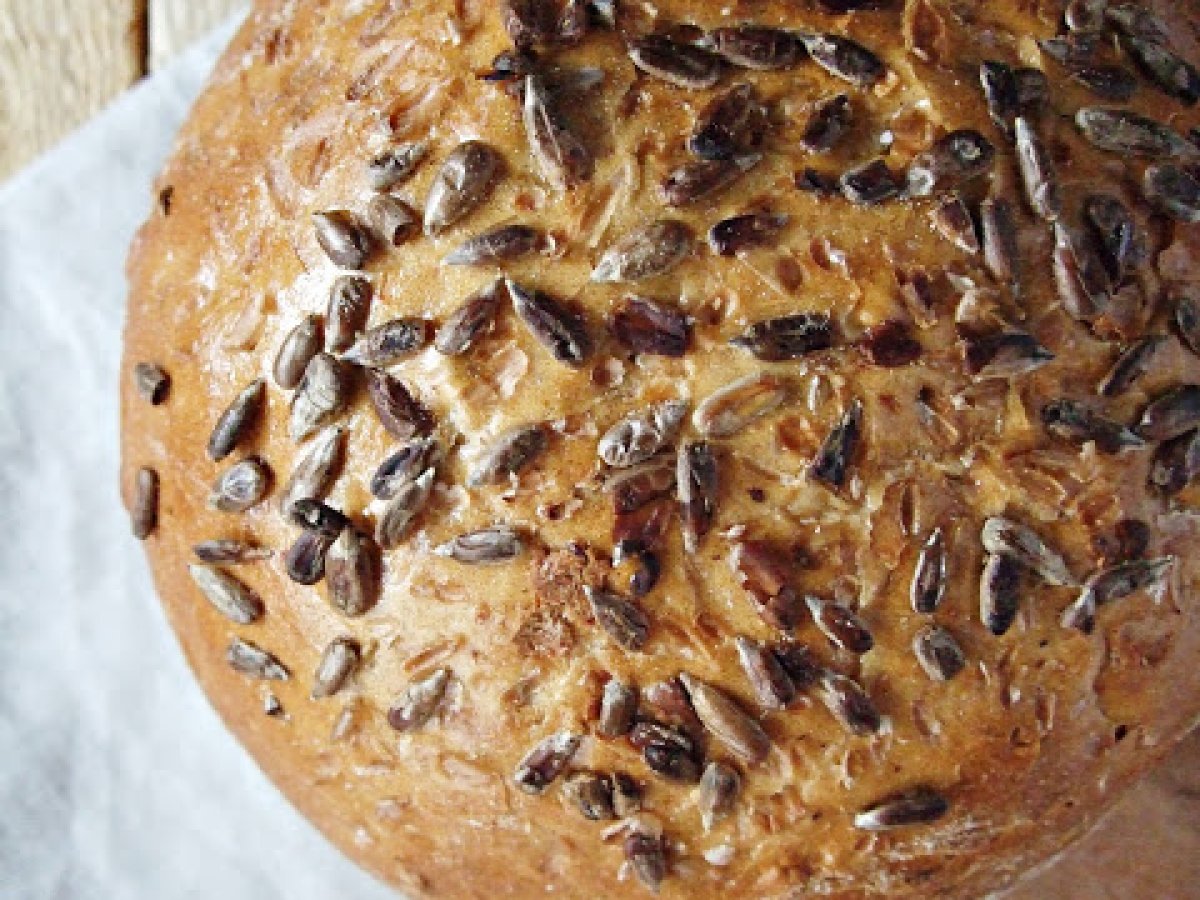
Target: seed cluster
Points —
{"points": [[669, 458]]}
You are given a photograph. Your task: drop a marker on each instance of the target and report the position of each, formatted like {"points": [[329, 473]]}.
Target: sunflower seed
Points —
{"points": [[343, 237], [501, 244], [929, 578], [647, 855], [771, 683], [1113, 583], [1131, 365], [799, 663], [787, 337], [338, 662], [313, 515], [1187, 321], [1002, 93], [560, 329], [843, 627], [296, 351], [397, 165], [696, 477], [667, 751], [891, 344], [590, 793], [236, 422], [471, 320], [618, 706], [1075, 422], [1171, 414], [545, 762], [420, 701], [718, 793], [1128, 133], [1085, 15], [228, 550], [953, 159], [627, 795], [1078, 49], [1003, 354], [394, 221], [720, 714], [389, 343], [818, 183], [918, 806], [845, 58], [527, 21], [151, 382], [322, 394], [143, 512], [731, 408], [1004, 537], [248, 659], [683, 65], [352, 573], [305, 559], [1033, 91], [404, 466], [645, 326], [1113, 226], [731, 125], [645, 253], [1111, 83], [1176, 463], [1079, 274], [509, 454], [701, 178], [229, 596], [838, 449], [464, 181], [736, 235], [871, 183], [562, 158], [500, 543], [402, 510], [1170, 73], [758, 48], [316, 468], [849, 704], [953, 220], [827, 124], [1001, 253], [623, 621], [1175, 190], [639, 435], [1038, 173], [241, 486], [1137, 21], [938, 653], [646, 571], [401, 415], [998, 592]]}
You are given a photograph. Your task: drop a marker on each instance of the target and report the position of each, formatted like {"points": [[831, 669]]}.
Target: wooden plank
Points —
{"points": [[176, 23], [60, 62]]}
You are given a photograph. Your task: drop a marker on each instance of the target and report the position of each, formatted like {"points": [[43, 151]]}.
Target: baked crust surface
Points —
{"points": [[1037, 735]]}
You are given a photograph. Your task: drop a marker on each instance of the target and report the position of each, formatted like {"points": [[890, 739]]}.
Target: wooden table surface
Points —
{"points": [[61, 61]]}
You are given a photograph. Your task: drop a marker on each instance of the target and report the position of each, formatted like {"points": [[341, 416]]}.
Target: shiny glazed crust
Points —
{"points": [[1028, 744]]}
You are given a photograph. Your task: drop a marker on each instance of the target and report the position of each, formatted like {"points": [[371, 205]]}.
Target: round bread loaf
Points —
{"points": [[725, 450]]}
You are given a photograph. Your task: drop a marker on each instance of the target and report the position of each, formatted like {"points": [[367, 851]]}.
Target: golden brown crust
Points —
{"points": [[1029, 744]]}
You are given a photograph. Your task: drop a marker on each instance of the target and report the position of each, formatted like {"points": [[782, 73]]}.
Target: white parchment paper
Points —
{"points": [[117, 781]]}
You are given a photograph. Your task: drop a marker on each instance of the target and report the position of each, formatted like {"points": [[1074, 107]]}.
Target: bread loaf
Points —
{"points": [[720, 450]]}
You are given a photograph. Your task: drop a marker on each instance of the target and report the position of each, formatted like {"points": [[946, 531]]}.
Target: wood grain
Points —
{"points": [[60, 62], [176, 23]]}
